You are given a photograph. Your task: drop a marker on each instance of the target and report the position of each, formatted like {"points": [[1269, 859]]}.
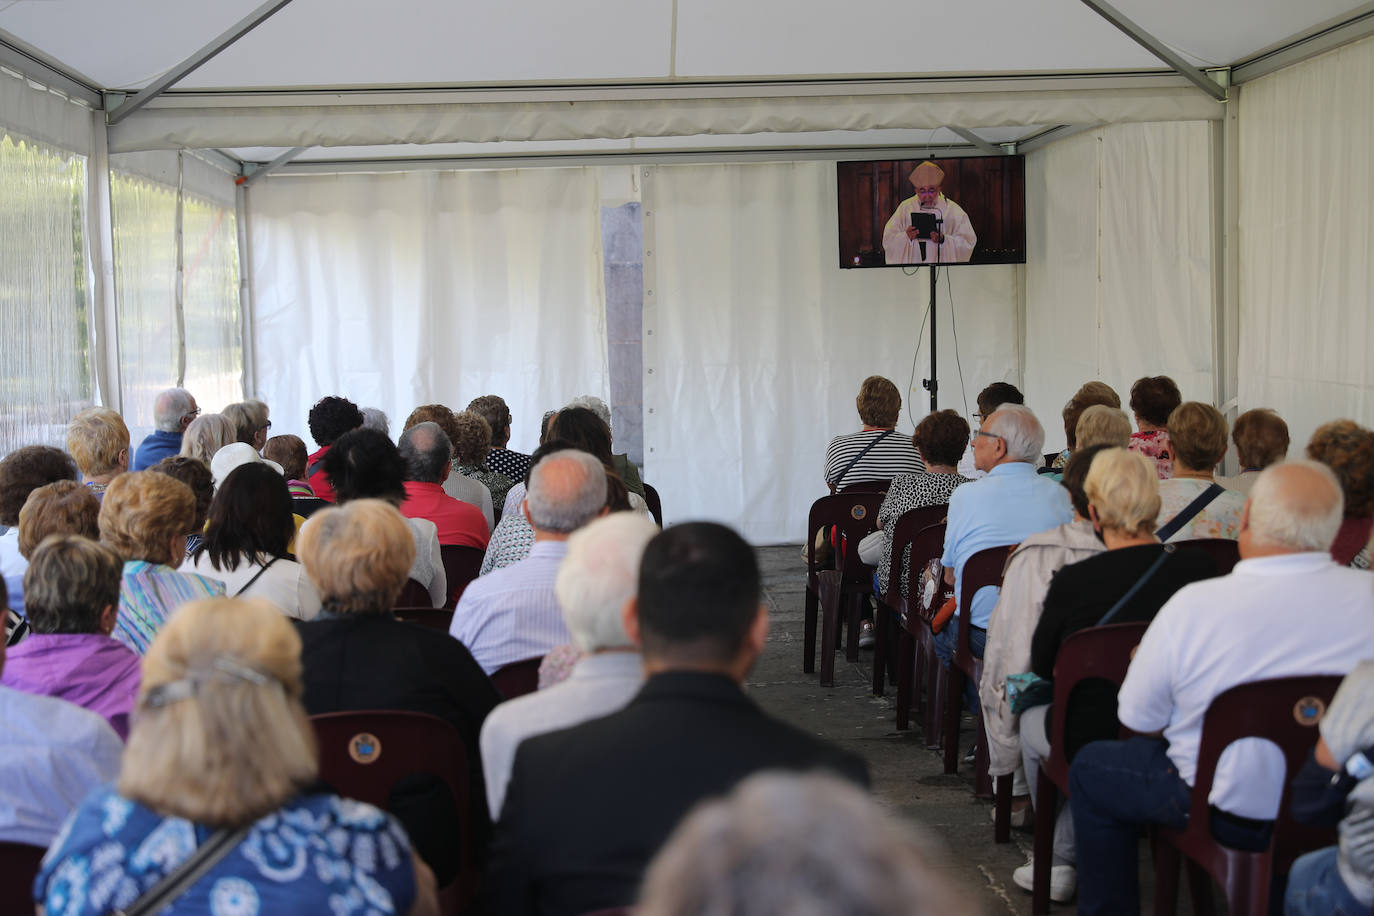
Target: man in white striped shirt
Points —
{"points": [[512, 614]]}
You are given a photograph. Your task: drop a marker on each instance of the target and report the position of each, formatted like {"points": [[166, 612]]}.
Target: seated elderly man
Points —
{"points": [[21, 472], [173, 411], [1008, 505], [99, 441], [512, 614], [596, 580], [426, 451], [1208, 638]]}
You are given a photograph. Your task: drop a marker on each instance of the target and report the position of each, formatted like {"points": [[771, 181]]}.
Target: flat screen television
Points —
{"points": [[912, 212]]}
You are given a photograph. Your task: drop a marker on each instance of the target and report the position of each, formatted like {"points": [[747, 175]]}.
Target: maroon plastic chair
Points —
{"points": [[916, 651], [461, 566], [18, 867], [892, 607], [415, 594], [1283, 710], [654, 503], [866, 486], [1097, 652], [854, 515], [434, 618], [517, 678], [1225, 552], [364, 754]]}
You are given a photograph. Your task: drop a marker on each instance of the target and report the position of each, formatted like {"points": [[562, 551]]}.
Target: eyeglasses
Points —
{"points": [[267, 425], [982, 432], [192, 413]]}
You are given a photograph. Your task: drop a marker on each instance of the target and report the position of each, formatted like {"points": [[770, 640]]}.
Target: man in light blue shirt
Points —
{"points": [[1008, 505]]}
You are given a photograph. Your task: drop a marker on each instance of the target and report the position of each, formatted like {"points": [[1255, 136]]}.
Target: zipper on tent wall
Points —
{"points": [[649, 338]]}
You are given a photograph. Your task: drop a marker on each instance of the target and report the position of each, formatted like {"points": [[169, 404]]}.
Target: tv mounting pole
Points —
{"points": [[932, 384]]}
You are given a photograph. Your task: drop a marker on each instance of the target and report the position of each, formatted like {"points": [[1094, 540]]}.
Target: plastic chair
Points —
{"points": [[1096, 652], [892, 610], [1283, 710], [415, 594], [517, 678], [434, 618], [982, 569], [854, 515], [18, 867], [654, 503], [866, 486], [461, 566], [1225, 552], [364, 754]]}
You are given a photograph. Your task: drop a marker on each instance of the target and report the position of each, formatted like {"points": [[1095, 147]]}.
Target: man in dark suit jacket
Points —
{"points": [[588, 807]]}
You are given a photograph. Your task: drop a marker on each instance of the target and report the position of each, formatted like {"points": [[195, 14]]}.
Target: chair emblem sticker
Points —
{"points": [[1308, 711], [364, 748], [858, 513]]}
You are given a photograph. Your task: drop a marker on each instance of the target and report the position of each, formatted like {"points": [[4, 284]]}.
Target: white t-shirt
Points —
{"points": [[284, 583], [1281, 616]]}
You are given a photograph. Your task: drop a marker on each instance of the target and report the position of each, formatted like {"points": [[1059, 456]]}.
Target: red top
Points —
{"points": [[459, 523], [317, 478]]}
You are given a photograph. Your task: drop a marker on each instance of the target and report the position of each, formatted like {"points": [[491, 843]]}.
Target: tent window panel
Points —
{"points": [[210, 274], [45, 350]]}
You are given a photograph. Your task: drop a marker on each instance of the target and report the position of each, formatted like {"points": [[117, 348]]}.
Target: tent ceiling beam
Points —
{"points": [[262, 171], [992, 149], [16, 56], [227, 161], [1305, 47], [179, 72], [1053, 135], [1156, 47]]}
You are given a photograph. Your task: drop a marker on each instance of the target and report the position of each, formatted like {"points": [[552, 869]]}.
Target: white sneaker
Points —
{"points": [[1063, 880]]}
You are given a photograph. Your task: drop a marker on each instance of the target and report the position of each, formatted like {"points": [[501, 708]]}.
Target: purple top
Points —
{"points": [[87, 669]]}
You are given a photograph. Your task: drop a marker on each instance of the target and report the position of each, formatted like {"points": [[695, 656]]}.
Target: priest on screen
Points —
{"points": [[950, 242]]}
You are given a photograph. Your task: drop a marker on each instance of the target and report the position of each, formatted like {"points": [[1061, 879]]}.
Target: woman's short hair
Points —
{"points": [[941, 437], [1261, 438], [1091, 393], [70, 582], [470, 437], [879, 402], [358, 555], [289, 452], [1076, 474], [1347, 448], [1100, 424], [1123, 486], [433, 413], [142, 512], [250, 520], [596, 406], [220, 737], [1154, 398], [376, 418], [598, 575], [248, 417], [63, 507], [194, 473], [1197, 435], [364, 464], [26, 469], [584, 429], [207, 434], [331, 417], [493, 409], [95, 438], [782, 844]]}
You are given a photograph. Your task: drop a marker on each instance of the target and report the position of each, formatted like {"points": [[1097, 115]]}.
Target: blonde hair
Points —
{"points": [[358, 555], [1103, 425], [1123, 487], [95, 438], [248, 417], [62, 507], [207, 434], [142, 512], [236, 748]]}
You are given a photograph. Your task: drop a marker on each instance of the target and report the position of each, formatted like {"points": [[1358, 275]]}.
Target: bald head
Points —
{"points": [[1294, 507], [567, 490], [425, 449]]}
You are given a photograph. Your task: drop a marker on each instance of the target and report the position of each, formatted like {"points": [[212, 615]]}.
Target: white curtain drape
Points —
{"points": [[1119, 264], [403, 289], [756, 342], [1306, 229]]}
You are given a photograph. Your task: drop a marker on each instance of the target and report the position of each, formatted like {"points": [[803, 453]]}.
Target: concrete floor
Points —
{"points": [[907, 778]]}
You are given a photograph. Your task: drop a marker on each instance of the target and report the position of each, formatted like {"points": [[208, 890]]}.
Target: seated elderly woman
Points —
{"points": [[250, 422], [21, 472], [1152, 400], [144, 518], [1348, 449], [246, 539], [73, 588], [470, 435], [358, 656], [1090, 394], [221, 755], [364, 464], [1197, 439], [207, 434], [876, 452], [197, 476], [99, 441], [1122, 488], [1261, 439], [462, 488], [61, 507]]}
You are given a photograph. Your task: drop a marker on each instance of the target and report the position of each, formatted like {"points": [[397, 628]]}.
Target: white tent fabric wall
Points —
{"points": [[1119, 264], [1306, 224], [402, 289], [756, 342]]}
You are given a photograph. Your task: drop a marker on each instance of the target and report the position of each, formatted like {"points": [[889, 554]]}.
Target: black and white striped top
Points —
{"points": [[893, 455]]}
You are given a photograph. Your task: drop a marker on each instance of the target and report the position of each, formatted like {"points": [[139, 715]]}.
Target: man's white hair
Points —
{"points": [[1297, 505], [1020, 430], [376, 418], [171, 405], [598, 575], [567, 490], [595, 405]]}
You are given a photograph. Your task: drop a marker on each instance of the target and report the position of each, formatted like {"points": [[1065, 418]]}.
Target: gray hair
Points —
{"points": [[595, 405], [375, 418], [598, 575], [1296, 505], [1020, 430], [567, 490], [786, 844], [207, 434], [171, 405], [425, 449]]}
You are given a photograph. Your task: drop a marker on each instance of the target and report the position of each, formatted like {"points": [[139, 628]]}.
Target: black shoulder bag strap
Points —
{"points": [[1140, 583], [834, 485], [256, 575], [180, 880], [1172, 527]]}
